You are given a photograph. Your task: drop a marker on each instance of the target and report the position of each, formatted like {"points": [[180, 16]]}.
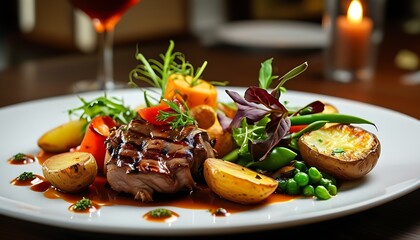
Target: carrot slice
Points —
{"points": [[202, 93]]}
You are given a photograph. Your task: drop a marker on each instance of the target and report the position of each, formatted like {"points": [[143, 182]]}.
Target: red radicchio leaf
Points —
{"points": [[253, 112], [224, 121], [256, 104], [311, 108], [276, 130]]}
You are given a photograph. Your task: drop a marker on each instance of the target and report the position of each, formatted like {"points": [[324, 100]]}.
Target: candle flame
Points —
{"points": [[355, 12]]}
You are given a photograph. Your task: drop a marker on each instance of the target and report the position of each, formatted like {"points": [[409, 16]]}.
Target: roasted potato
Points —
{"points": [[224, 140], [206, 118], [343, 151], [237, 183], [62, 138], [329, 108], [204, 115], [70, 171]]}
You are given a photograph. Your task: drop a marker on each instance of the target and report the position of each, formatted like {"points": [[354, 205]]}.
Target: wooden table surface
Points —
{"points": [[397, 219]]}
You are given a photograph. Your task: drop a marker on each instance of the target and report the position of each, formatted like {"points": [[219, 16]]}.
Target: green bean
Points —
{"points": [[243, 161], [293, 143], [311, 127], [330, 117], [301, 178], [232, 156], [322, 193]]}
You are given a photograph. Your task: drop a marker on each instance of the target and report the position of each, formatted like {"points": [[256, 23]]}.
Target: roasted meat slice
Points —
{"points": [[143, 158]]}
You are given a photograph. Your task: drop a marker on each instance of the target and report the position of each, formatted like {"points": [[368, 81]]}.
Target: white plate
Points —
{"points": [[396, 174], [273, 34]]}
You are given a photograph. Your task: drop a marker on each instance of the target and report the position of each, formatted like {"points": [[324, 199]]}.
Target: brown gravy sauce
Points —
{"points": [[101, 194]]}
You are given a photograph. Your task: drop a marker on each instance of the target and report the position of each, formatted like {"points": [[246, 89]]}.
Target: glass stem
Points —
{"points": [[105, 68]]}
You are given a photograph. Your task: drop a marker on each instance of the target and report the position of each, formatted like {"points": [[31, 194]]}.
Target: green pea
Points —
{"points": [[301, 166], [332, 189], [325, 182], [314, 175], [292, 187], [308, 191], [322, 193], [329, 177], [282, 185], [301, 178]]}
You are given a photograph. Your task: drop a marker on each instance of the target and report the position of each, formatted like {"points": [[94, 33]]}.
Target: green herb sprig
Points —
{"points": [[19, 156], [266, 78], [156, 73], [178, 117], [160, 213], [82, 204], [104, 106], [25, 176]]}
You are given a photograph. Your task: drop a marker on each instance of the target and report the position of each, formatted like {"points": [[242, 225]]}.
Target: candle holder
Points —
{"points": [[354, 29]]}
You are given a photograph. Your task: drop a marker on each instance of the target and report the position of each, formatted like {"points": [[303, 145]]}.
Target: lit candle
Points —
{"points": [[353, 38]]}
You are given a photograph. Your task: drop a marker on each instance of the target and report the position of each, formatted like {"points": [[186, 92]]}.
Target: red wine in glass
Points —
{"points": [[105, 14]]}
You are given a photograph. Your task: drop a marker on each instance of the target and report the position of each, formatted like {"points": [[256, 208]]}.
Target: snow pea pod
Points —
{"points": [[330, 117], [279, 157]]}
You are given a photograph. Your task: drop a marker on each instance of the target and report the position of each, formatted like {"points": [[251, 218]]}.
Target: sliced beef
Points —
{"points": [[143, 158]]}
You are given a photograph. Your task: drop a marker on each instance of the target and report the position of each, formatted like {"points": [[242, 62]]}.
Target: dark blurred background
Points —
{"points": [[53, 26]]}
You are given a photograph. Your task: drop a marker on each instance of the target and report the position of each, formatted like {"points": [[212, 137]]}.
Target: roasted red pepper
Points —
{"points": [[150, 114], [297, 128], [94, 139]]}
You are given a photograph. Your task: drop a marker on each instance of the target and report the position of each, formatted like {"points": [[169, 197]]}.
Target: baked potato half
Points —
{"points": [[71, 171], [344, 151], [237, 183]]}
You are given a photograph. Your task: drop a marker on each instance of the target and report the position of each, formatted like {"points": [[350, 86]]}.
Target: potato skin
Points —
{"points": [[63, 137], [71, 171], [237, 183], [361, 151]]}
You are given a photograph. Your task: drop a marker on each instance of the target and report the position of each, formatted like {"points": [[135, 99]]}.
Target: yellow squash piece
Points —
{"points": [[237, 183], [63, 137], [70, 171]]}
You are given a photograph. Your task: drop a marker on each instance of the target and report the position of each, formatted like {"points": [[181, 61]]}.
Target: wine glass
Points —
{"points": [[105, 14]]}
